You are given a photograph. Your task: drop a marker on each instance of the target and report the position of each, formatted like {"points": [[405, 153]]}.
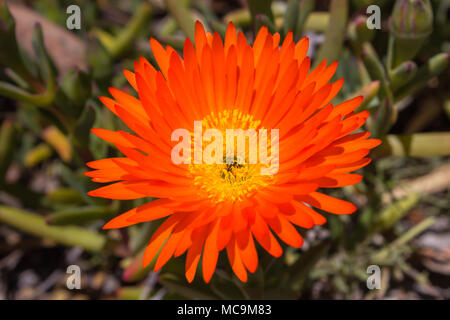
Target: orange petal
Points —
{"points": [[200, 40], [345, 107], [210, 253], [317, 218], [298, 216], [285, 231], [172, 243], [153, 210], [338, 180], [230, 36], [327, 203], [193, 255], [159, 238], [260, 39], [269, 243], [301, 49], [161, 56], [246, 247], [236, 261], [128, 102], [130, 78], [119, 190]]}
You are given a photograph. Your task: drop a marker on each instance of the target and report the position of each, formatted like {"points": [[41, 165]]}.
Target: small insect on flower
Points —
{"points": [[216, 195]]}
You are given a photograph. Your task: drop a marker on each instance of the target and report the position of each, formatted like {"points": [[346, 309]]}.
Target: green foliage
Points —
{"points": [[49, 112]]}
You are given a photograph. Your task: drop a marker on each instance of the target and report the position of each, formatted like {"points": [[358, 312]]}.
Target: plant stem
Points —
{"points": [[335, 33], [137, 22], [36, 225], [421, 145], [183, 17]]}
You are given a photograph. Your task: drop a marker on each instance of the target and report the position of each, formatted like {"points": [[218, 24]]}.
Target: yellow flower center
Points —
{"points": [[236, 178]]}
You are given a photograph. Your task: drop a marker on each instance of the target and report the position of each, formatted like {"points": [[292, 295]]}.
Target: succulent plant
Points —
{"points": [[49, 108]]}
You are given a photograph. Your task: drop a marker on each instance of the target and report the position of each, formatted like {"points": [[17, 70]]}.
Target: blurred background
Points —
{"points": [[54, 66]]}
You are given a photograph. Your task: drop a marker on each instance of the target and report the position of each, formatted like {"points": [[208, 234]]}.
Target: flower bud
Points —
{"points": [[402, 74], [411, 23], [358, 31], [412, 18]]}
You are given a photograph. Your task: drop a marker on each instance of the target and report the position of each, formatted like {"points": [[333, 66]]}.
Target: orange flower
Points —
{"points": [[212, 207]]}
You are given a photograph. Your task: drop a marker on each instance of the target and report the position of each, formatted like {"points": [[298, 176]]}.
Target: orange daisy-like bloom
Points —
{"points": [[212, 207]]}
